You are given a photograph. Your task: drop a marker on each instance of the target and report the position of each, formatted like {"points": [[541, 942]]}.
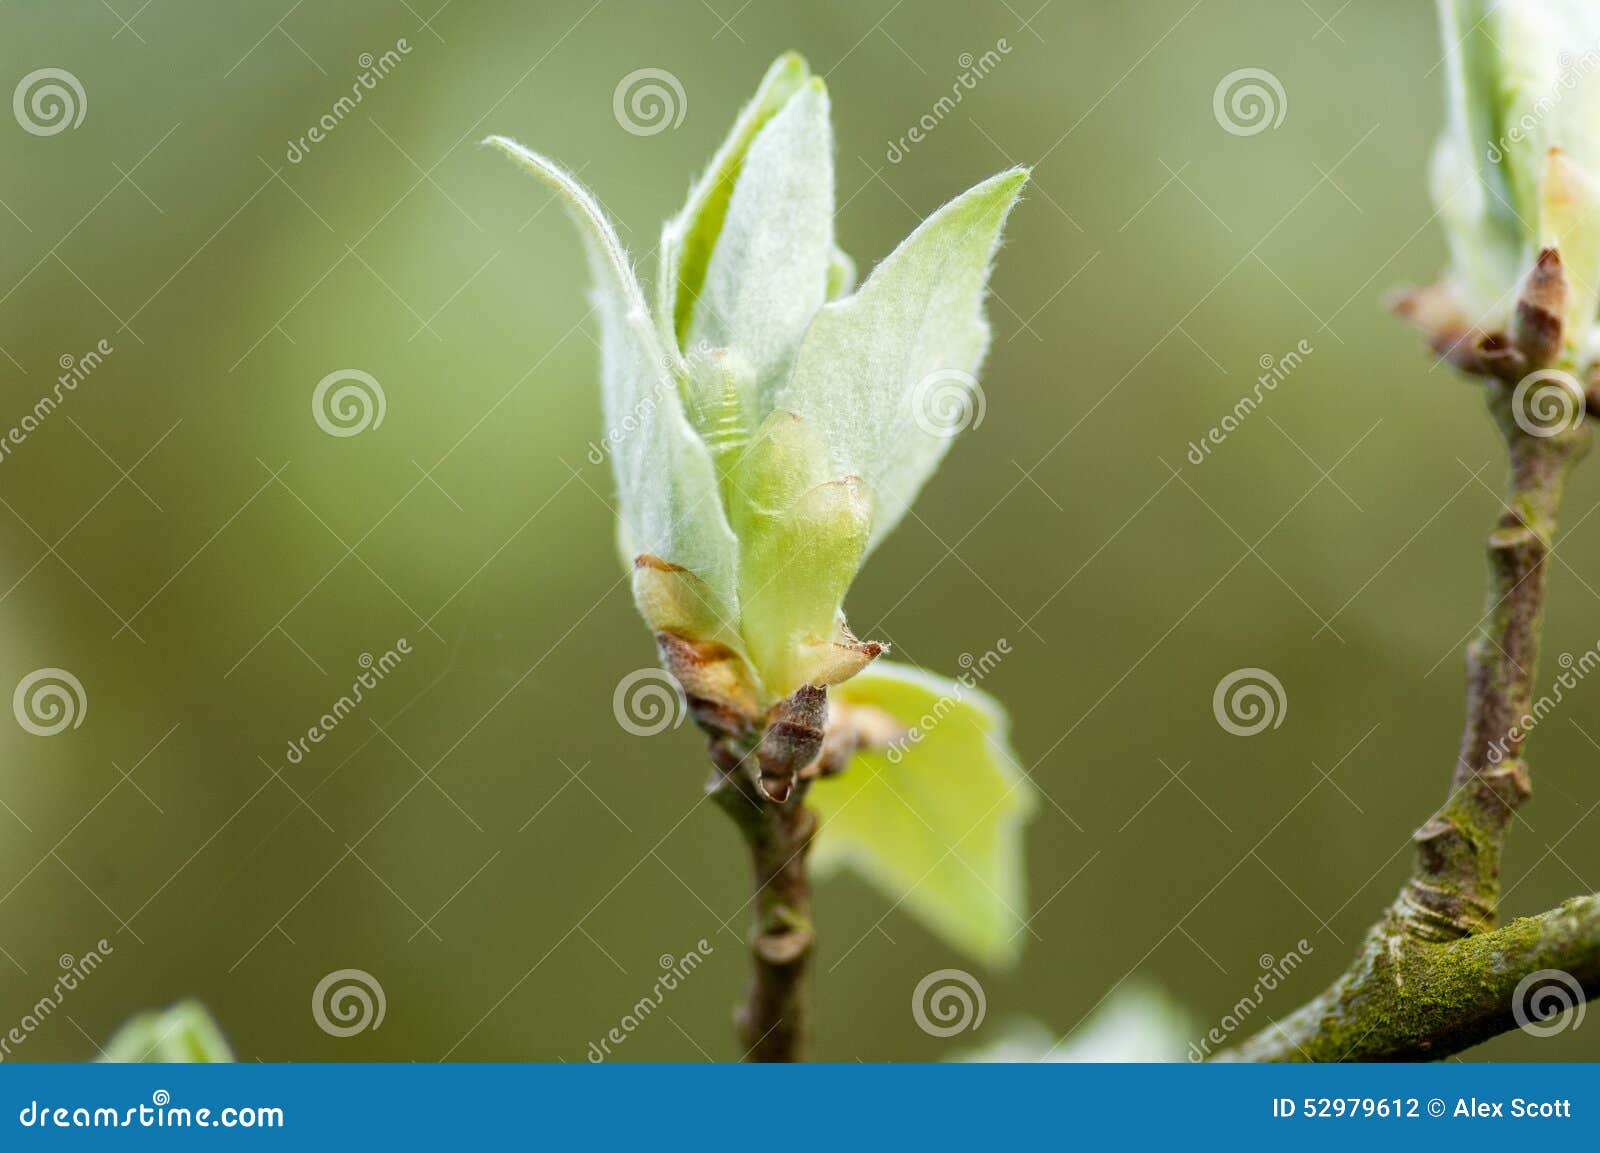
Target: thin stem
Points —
{"points": [[1434, 975], [1455, 889], [774, 1021]]}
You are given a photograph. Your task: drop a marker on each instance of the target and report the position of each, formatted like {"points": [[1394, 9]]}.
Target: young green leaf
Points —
{"points": [[184, 1033], [666, 482], [920, 313], [935, 821], [1136, 1025], [768, 273]]}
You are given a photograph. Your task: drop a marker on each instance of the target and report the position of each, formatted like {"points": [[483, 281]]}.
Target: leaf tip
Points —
{"points": [[790, 64]]}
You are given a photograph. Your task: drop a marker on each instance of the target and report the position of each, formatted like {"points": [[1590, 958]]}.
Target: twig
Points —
{"points": [[1434, 976], [773, 1022]]}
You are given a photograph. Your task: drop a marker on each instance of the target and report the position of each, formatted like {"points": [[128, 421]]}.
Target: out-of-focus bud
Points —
{"points": [[1541, 311], [764, 414], [1514, 181]]}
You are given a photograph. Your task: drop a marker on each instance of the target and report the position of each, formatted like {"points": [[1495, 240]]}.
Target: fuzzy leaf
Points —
{"points": [[183, 1033], [857, 373], [1546, 63], [666, 483], [1569, 222], [768, 273], [939, 832], [1136, 1025], [688, 239]]}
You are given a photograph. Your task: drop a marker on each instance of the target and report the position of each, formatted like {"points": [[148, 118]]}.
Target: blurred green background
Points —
{"points": [[481, 835]]}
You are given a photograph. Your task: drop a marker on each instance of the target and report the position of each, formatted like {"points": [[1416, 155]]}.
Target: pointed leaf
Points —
{"points": [[666, 483], [184, 1033], [768, 273], [935, 821], [688, 239], [863, 370]]}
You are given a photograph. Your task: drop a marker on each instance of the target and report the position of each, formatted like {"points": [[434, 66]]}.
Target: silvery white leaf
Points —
{"points": [[687, 240], [666, 484], [768, 272], [875, 368]]}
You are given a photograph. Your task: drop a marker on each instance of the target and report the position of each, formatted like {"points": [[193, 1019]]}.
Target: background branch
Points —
{"points": [[1434, 976]]}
